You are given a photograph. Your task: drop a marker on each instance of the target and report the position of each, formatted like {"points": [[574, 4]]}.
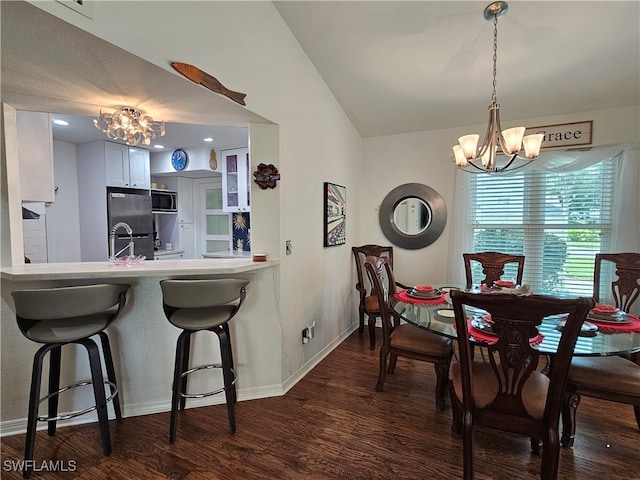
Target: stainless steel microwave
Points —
{"points": [[164, 201]]}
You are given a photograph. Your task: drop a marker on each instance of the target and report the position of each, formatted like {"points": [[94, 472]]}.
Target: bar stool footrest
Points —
{"points": [[207, 394], [77, 413]]}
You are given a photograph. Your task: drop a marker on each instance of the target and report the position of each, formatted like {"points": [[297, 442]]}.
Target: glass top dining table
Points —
{"points": [[438, 318]]}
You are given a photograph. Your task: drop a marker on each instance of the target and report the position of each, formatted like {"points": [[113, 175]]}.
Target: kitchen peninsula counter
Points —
{"points": [[148, 268], [143, 340]]}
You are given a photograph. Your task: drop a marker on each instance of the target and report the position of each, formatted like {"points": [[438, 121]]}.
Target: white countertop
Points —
{"points": [[148, 268]]}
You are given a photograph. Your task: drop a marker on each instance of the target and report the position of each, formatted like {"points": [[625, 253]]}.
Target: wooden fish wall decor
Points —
{"points": [[198, 76]]}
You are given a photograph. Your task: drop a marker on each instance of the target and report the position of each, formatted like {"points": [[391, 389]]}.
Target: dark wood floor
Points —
{"points": [[332, 425]]}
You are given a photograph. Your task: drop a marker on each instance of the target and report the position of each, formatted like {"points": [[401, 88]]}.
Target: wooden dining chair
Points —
{"points": [[368, 304], [493, 266], [509, 392], [403, 339], [611, 378]]}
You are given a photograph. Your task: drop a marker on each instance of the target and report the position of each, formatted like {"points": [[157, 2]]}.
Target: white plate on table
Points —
{"points": [[588, 329], [445, 315], [481, 325], [617, 318], [447, 289]]}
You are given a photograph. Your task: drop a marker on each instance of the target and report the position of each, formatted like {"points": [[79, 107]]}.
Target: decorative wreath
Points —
{"points": [[266, 176]]}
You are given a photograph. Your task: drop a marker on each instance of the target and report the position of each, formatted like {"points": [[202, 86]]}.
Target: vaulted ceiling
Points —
{"points": [[394, 66], [404, 66]]}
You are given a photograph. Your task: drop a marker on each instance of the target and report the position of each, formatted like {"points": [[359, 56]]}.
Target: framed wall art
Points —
{"points": [[335, 214]]}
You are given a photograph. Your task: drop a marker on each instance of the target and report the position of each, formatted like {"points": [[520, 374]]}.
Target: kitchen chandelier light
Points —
{"points": [[485, 158], [129, 125]]}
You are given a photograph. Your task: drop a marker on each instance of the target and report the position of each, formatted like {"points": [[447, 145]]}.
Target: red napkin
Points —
{"points": [[604, 309], [404, 297], [491, 338], [606, 327]]}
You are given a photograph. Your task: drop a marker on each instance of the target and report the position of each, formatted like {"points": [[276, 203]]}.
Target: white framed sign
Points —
{"points": [[564, 134]]}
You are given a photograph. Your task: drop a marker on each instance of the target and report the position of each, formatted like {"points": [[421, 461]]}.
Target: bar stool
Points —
{"points": [[57, 317], [194, 306]]}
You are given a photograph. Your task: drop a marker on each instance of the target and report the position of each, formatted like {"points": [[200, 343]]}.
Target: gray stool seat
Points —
{"points": [[68, 329], [59, 316], [202, 318], [196, 305]]}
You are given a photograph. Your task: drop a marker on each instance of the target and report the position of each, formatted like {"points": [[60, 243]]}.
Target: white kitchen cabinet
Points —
{"points": [[187, 240], [116, 164], [139, 170], [186, 230], [235, 180], [35, 154], [185, 200], [126, 166]]}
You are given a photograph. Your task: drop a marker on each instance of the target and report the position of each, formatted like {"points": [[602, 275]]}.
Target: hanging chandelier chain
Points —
{"points": [[499, 148], [494, 98]]}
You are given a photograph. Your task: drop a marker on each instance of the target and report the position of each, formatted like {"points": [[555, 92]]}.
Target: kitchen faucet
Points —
{"points": [[112, 240]]}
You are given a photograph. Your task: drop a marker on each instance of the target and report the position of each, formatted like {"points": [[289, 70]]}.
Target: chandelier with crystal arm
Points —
{"points": [[130, 125], [485, 158]]}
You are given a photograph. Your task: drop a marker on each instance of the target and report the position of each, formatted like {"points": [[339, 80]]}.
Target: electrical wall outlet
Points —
{"points": [[308, 332]]}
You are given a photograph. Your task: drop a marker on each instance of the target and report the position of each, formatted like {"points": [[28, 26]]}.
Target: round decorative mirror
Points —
{"points": [[412, 216]]}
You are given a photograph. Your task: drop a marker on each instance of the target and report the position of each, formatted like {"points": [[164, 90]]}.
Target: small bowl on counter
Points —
{"points": [[126, 261]]}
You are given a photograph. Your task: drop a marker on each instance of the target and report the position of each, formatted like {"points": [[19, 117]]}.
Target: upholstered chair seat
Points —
{"points": [[407, 337], [485, 388], [611, 374]]}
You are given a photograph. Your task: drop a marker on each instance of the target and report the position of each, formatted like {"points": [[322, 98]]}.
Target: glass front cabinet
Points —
{"points": [[235, 180]]}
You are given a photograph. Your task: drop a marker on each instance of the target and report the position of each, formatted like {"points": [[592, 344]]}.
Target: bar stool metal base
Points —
{"points": [[207, 394], [114, 392]]}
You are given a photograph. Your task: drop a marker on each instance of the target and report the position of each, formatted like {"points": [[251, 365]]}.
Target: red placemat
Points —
{"points": [[490, 338], [404, 297], [605, 327]]}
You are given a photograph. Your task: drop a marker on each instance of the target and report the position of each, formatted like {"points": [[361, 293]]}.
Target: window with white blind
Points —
{"points": [[559, 221]]}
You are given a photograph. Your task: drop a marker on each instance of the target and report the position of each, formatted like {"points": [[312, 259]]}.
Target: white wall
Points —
{"points": [[425, 157]]}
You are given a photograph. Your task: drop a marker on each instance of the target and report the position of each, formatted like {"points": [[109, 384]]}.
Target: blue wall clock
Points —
{"points": [[179, 159]]}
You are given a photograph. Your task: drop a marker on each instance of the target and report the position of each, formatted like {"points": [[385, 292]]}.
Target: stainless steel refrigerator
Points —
{"points": [[135, 211]]}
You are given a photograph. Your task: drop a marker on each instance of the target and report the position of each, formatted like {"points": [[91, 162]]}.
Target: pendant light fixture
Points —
{"points": [[499, 148], [130, 125]]}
